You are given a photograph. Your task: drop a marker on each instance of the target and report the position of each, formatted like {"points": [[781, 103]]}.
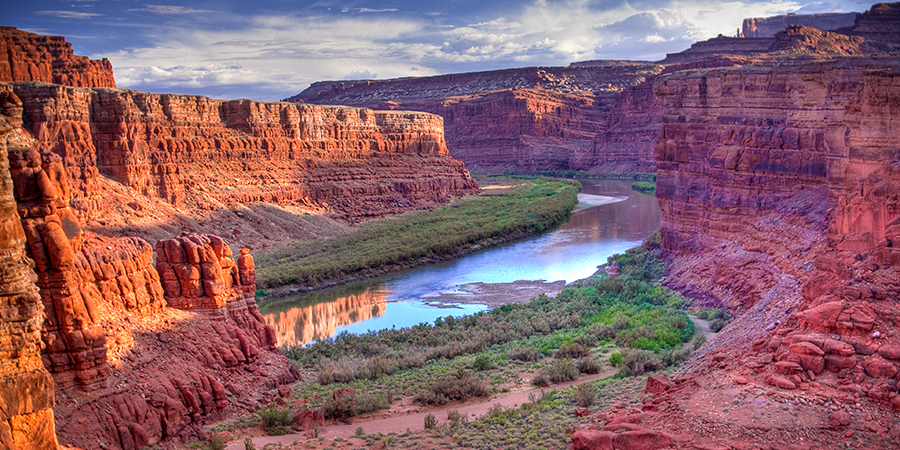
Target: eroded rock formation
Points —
{"points": [[530, 119], [27, 56], [767, 27], [26, 388]]}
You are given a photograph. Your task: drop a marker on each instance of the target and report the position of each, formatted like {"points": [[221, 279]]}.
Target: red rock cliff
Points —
{"points": [[140, 162], [530, 119], [779, 184], [26, 415], [30, 57]]}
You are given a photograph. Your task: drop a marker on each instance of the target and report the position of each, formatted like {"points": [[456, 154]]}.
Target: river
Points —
{"points": [[570, 252]]}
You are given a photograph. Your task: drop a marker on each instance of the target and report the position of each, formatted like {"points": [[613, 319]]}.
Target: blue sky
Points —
{"points": [[269, 50]]}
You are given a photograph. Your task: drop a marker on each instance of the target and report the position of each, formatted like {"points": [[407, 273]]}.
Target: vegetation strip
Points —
{"points": [[520, 208], [626, 322]]}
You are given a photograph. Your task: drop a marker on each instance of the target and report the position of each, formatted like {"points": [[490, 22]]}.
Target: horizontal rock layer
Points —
{"points": [[530, 119], [198, 155]]}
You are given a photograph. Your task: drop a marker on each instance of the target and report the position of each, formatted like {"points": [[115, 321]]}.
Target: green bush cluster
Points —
{"points": [[533, 207], [644, 186], [275, 420], [457, 387], [718, 318], [344, 408]]}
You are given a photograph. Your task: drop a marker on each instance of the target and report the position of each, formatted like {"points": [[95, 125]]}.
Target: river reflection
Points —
{"points": [[570, 252], [297, 325]]}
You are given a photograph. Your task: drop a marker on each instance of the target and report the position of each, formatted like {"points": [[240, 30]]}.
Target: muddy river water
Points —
{"points": [[610, 219]]}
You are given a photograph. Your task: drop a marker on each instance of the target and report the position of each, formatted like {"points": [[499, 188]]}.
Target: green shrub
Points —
{"points": [[248, 444], [571, 350], [483, 362], [644, 186], [455, 419], [341, 409], [527, 354], [562, 370], [585, 394], [541, 379], [716, 325], [216, 442], [452, 388], [275, 420], [430, 421], [589, 365], [616, 359]]}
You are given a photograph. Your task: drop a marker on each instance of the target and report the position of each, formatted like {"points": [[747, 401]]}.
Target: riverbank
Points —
{"points": [[508, 209], [625, 324]]}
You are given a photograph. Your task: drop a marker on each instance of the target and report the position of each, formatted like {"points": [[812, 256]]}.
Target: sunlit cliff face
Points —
{"points": [[300, 326]]}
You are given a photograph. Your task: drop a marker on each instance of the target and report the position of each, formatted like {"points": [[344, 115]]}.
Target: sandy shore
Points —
{"points": [[590, 200], [496, 294]]}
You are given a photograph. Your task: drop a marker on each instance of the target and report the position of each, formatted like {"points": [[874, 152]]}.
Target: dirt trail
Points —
{"points": [[416, 421], [702, 326]]}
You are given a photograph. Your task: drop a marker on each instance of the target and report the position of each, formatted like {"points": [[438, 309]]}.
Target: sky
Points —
{"points": [[273, 49]]}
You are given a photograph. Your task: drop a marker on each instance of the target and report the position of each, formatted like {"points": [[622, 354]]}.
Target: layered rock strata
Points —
{"points": [[132, 368], [530, 119], [27, 56], [26, 388], [211, 160], [779, 189]]}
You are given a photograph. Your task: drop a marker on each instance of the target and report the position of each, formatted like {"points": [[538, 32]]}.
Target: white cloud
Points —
{"points": [[653, 39], [67, 14], [360, 75], [284, 53], [167, 9]]}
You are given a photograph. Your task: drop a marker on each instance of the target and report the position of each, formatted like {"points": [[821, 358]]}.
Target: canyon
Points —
{"points": [[777, 174], [124, 344]]}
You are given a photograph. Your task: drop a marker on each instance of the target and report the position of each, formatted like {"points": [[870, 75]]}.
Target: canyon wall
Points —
{"points": [[529, 119], [779, 187], [138, 353], [144, 347], [26, 388], [30, 57], [140, 163]]}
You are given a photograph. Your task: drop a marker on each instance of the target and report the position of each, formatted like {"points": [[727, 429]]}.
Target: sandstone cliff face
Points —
{"points": [[210, 160], [26, 414], [113, 329], [530, 119], [779, 190], [30, 57]]}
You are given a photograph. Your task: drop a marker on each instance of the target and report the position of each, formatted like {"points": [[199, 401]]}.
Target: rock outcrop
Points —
{"points": [[530, 119], [145, 348], [26, 388], [27, 56], [767, 27], [149, 164]]}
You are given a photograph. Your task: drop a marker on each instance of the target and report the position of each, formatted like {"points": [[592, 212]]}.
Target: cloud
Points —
{"points": [[67, 14], [360, 75], [166, 9], [268, 57]]}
